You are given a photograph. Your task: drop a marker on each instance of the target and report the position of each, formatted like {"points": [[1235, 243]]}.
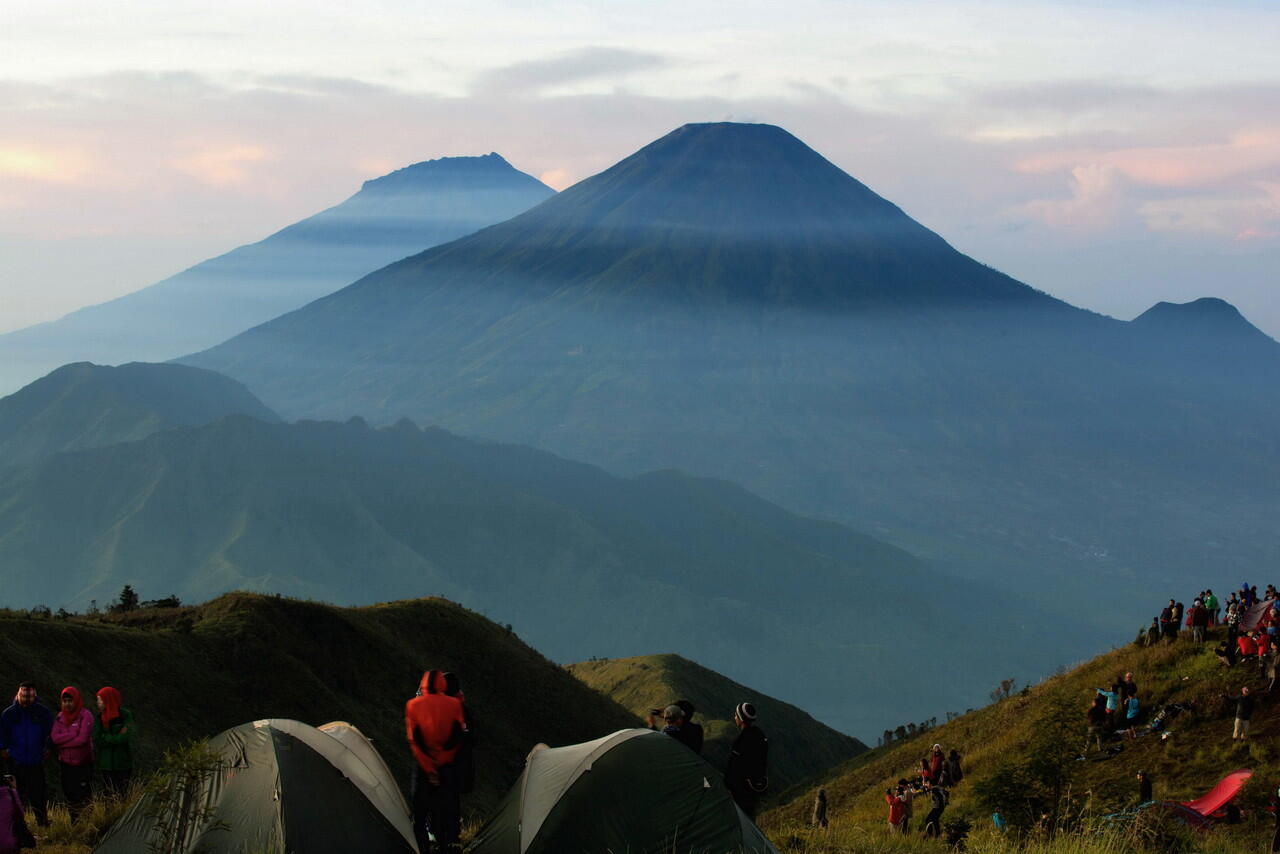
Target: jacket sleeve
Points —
{"points": [[65, 735], [116, 739], [417, 744]]}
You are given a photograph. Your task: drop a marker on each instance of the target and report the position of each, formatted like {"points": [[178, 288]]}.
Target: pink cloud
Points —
{"points": [[223, 165], [1243, 153]]}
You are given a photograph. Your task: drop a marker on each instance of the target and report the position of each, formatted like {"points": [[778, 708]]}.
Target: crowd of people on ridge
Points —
{"points": [[82, 742]]}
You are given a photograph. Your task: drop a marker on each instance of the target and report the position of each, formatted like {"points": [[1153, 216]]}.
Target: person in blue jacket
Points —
{"points": [[24, 741]]}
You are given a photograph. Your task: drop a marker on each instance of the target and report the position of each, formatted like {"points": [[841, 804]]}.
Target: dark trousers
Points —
{"points": [[32, 790], [77, 786], [747, 800], [116, 783], [437, 810], [933, 823]]}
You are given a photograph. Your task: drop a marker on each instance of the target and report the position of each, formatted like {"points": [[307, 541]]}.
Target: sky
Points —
{"points": [[1114, 154]]}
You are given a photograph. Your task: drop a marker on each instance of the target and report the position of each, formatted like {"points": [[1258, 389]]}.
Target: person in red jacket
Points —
{"points": [[897, 810], [435, 725]]}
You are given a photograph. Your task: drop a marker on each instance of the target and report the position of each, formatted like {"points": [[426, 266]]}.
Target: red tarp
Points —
{"points": [[1220, 795]]}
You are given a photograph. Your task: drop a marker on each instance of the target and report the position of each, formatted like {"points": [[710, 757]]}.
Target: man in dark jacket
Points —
{"points": [[24, 741], [747, 772], [1167, 621], [937, 803], [1244, 711]]}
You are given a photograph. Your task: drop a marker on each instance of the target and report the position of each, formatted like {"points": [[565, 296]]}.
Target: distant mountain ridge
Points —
{"points": [[82, 406], [399, 214], [580, 562], [726, 301]]}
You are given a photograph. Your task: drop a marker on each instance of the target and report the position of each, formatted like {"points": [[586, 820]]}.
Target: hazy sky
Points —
{"points": [[1112, 153]]}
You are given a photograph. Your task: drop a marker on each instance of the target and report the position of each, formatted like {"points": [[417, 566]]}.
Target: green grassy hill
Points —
{"points": [[1003, 741], [800, 747], [192, 672]]}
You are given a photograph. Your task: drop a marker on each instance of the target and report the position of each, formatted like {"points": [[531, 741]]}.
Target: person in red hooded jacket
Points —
{"points": [[435, 726]]}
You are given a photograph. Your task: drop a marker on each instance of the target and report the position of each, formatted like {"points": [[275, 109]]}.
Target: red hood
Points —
{"points": [[110, 704]]}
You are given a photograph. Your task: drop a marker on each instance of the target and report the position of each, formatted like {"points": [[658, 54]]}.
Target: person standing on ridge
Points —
{"points": [[953, 767], [72, 737], [435, 727], [1166, 621], [747, 771], [1144, 788], [938, 802], [1175, 624], [1244, 711], [693, 731], [24, 741], [819, 819], [937, 760], [466, 760], [897, 809], [113, 739], [1214, 607], [1198, 620]]}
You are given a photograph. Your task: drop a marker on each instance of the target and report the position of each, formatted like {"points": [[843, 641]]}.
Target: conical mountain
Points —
{"points": [[726, 301], [399, 214], [82, 406]]}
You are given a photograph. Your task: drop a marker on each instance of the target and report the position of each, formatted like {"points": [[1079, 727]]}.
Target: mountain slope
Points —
{"points": [[582, 563], [1036, 724], [189, 673], [800, 747], [726, 301], [87, 406], [399, 214]]}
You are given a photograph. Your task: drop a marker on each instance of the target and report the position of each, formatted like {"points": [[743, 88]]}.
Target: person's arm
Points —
{"points": [[124, 736], [418, 746]]}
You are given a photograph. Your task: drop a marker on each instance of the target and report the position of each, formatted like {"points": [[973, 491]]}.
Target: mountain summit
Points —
{"points": [[1207, 316], [391, 217]]}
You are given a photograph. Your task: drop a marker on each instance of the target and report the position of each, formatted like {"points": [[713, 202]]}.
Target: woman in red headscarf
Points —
{"points": [[72, 737], [113, 739]]}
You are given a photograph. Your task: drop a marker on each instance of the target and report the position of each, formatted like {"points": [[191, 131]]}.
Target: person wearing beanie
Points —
{"points": [[747, 772], [113, 739]]}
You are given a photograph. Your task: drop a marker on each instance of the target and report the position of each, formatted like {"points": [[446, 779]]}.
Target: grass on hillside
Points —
{"points": [[1197, 753]]}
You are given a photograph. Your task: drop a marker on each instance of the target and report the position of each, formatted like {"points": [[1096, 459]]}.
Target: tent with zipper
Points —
{"points": [[280, 787], [637, 791]]}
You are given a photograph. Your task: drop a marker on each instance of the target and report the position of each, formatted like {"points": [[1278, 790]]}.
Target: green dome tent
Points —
{"points": [[636, 791], [283, 787]]}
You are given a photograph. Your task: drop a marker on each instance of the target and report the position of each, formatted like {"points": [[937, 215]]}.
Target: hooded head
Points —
{"points": [[432, 683], [77, 703], [110, 698]]}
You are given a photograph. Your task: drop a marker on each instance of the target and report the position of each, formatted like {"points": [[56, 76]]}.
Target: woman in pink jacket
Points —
{"points": [[72, 737]]}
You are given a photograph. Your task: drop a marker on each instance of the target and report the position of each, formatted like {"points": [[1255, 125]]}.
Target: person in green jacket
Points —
{"points": [[113, 739]]}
